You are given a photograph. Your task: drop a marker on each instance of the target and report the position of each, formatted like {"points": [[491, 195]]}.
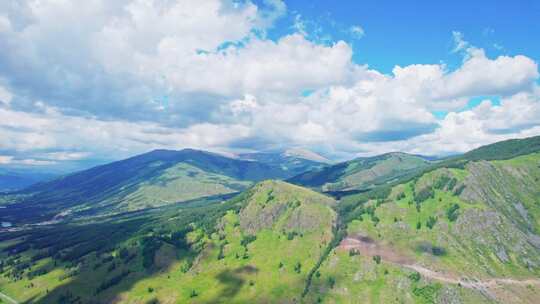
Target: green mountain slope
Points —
{"points": [[149, 180], [361, 173], [451, 235], [460, 231], [505, 149], [259, 247]]}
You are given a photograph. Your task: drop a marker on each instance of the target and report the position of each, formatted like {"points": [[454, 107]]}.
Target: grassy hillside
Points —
{"points": [[461, 231], [149, 180], [260, 246], [361, 173], [450, 235]]}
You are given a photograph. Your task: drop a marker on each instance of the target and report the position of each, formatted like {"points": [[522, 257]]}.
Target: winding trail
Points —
{"points": [[367, 246], [469, 283], [8, 298]]}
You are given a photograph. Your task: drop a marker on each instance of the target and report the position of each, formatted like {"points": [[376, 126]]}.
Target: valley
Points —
{"points": [[210, 229]]}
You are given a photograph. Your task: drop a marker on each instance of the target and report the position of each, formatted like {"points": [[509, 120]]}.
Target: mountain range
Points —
{"points": [[198, 227], [153, 179]]}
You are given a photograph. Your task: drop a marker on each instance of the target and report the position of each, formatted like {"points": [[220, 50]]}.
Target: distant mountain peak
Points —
{"points": [[306, 154]]}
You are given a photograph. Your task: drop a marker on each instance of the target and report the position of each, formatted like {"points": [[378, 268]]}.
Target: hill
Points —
{"points": [[149, 180], [260, 246], [458, 231], [361, 173], [454, 234], [505, 149]]}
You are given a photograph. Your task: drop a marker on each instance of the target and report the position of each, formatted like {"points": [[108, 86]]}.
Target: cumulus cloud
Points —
{"points": [[133, 75], [65, 135], [517, 116]]}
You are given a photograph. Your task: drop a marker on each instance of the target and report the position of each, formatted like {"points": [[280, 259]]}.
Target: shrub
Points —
{"points": [[221, 255], [298, 267], [459, 189], [415, 276], [331, 282], [431, 221], [353, 252], [377, 259], [375, 220], [186, 266], [247, 239], [370, 210], [428, 293], [123, 253], [424, 195], [453, 212], [291, 235], [112, 281], [149, 247], [451, 184]]}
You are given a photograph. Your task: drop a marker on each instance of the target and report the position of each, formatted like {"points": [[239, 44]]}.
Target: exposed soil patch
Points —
{"points": [[492, 288], [368, 247]]}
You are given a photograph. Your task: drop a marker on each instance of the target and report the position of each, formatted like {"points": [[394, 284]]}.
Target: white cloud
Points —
{"points": [[517, 116], [260, 66], [124, 55], [89, 79], [299, 25], [357, 31], [459, 42], [5, 24], [35, 162], [27, 132], [498, 46], [5, 96], [5, 159], [10, 160], [62, 156]]}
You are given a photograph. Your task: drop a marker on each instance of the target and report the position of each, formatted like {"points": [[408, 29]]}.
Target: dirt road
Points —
{"points": [[367, 246]]}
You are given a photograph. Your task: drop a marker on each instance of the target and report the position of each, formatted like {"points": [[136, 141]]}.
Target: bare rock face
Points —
{"points": [[474, 190], [504, 188], [491, 233]]}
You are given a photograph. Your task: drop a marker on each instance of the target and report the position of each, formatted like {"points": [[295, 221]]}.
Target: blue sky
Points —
{"points": [[84, 83], [412, 32]]}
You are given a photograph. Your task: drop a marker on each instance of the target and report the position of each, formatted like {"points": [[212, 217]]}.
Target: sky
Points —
{"points": [[86, 82]]}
